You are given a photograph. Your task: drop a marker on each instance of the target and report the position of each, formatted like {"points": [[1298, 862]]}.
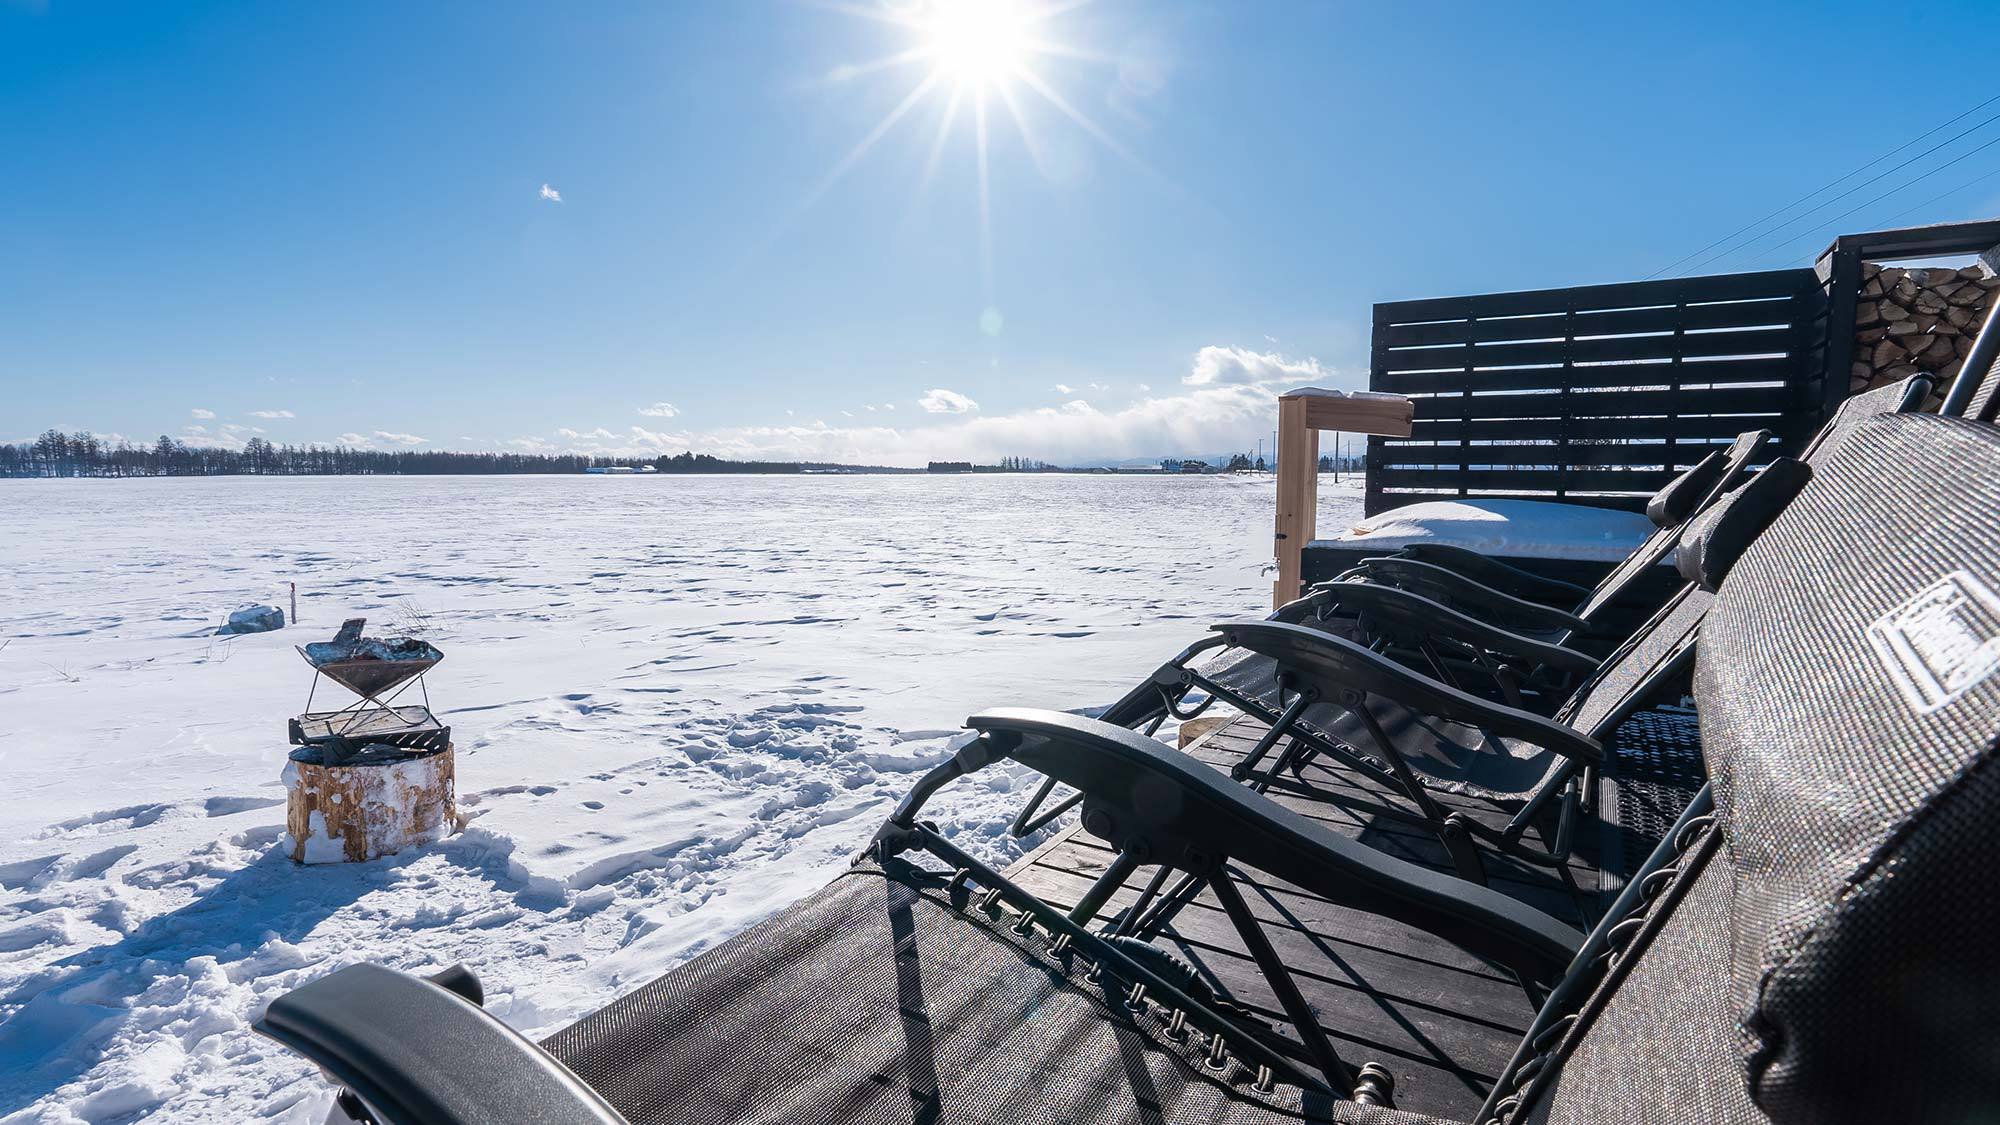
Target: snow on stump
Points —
{"points": [[376, 802], [253, 619]]}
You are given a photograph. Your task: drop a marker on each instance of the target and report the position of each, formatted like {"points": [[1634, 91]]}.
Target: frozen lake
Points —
{"points": [[677, 702]]}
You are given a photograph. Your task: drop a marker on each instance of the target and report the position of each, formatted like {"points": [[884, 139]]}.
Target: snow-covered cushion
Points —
{"points": [[1519, 529]]}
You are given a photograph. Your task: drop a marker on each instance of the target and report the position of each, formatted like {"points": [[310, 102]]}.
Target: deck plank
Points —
{"points": [[1442, 1020]]}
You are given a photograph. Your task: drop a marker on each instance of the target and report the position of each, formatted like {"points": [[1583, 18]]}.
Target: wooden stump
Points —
{"points": [[1195, 728], [378, 803]]}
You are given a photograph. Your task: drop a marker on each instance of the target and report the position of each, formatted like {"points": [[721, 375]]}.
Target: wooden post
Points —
{"points": [[1298, 495], [1302, 414]]}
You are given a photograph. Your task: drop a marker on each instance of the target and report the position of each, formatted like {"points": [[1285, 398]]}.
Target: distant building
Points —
{"points": [[949, 467]]}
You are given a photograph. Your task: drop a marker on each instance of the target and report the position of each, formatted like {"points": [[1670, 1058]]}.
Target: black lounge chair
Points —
{"points": [[1561, 612], [1319, 692], [1811, 943]]}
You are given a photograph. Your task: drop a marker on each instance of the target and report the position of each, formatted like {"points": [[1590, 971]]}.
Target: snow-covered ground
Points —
{"points": [[679, 703]]}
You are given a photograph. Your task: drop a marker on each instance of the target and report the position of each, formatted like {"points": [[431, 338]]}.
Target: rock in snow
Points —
{"points": [[253, 619]]}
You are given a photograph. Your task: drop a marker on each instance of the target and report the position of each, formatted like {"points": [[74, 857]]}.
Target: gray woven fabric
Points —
{"points": [[1654, 1054], [1851, 413], [1660, 544], [1851, 712], [1677, 500], [871, 1002], [1452, 756], [1714, 540], [1611, 692]]}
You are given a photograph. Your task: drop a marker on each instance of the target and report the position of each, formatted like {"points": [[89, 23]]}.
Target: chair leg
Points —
{"points": [[1453, 830], [1276, 731], [1280, 979], [1100, 892]]}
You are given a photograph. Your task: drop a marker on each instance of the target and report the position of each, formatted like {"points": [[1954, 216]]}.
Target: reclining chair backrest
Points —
{"points": [[1824, 952], [1709, 546], [1670, 509]]}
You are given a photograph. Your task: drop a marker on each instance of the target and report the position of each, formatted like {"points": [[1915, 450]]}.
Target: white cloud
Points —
{"points": [[1233, 405], [660, 410], [940, 401], [400, 439], [203, 437], [1065, 389], [272, 414], [551, 194], [600, 433], [1241, 367], [198, 412], [1145, 386]]}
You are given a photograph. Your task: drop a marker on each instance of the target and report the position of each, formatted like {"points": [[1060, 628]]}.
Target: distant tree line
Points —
{"points": [[1006, 465], [56, 454]]}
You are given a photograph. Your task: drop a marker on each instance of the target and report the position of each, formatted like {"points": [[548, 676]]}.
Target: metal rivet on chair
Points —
{"points": [[1061, 945], [1024, 925], [959, 878], [1177, 1025], [991, 903], [1265, 1081], [1096, 972], [1218, 1052], [1136, 999]]}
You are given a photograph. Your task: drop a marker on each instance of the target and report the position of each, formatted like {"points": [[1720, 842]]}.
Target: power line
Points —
{"points": [[1945, 195], [1836, 182], [1835, 221], [1877, 178]]}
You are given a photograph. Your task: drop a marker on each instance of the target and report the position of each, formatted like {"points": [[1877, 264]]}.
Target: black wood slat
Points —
{"points": [[1665, 318], [1640, 294], [1556, 376], [1683, 361], [1398, 497], [1515, 430], [1683, 454], [1615, 404], [1527, 479], [1759, 341]]}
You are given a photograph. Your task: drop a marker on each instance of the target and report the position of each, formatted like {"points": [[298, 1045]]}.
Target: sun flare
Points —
{"points": [[975, 41], [974, 65]]}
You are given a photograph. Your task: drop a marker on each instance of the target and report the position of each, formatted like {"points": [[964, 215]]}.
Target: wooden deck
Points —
{"points": [[1443, 1021]]}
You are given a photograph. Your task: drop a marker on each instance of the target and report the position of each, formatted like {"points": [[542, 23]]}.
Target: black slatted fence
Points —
{"points": [[1596, 395]]}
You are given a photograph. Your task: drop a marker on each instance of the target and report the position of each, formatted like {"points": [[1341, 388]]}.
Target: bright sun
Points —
{"points": [[976, 41], [977, 60]]}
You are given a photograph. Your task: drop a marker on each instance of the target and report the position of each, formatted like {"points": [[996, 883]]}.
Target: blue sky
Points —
{"points": [[327, 221]]}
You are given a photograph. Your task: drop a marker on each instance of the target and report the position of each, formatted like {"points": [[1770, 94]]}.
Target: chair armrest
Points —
{"points": [[1167, 808], [418, 1054], [1504, 577], [1461, 593], [1335, 665], [1401, 610]]}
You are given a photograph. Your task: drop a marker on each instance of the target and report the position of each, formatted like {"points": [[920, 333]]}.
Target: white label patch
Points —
{"points": [[1942, 642]]}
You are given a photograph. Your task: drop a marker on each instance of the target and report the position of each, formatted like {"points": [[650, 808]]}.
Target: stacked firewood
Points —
{"points": [[1917, 320]]}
